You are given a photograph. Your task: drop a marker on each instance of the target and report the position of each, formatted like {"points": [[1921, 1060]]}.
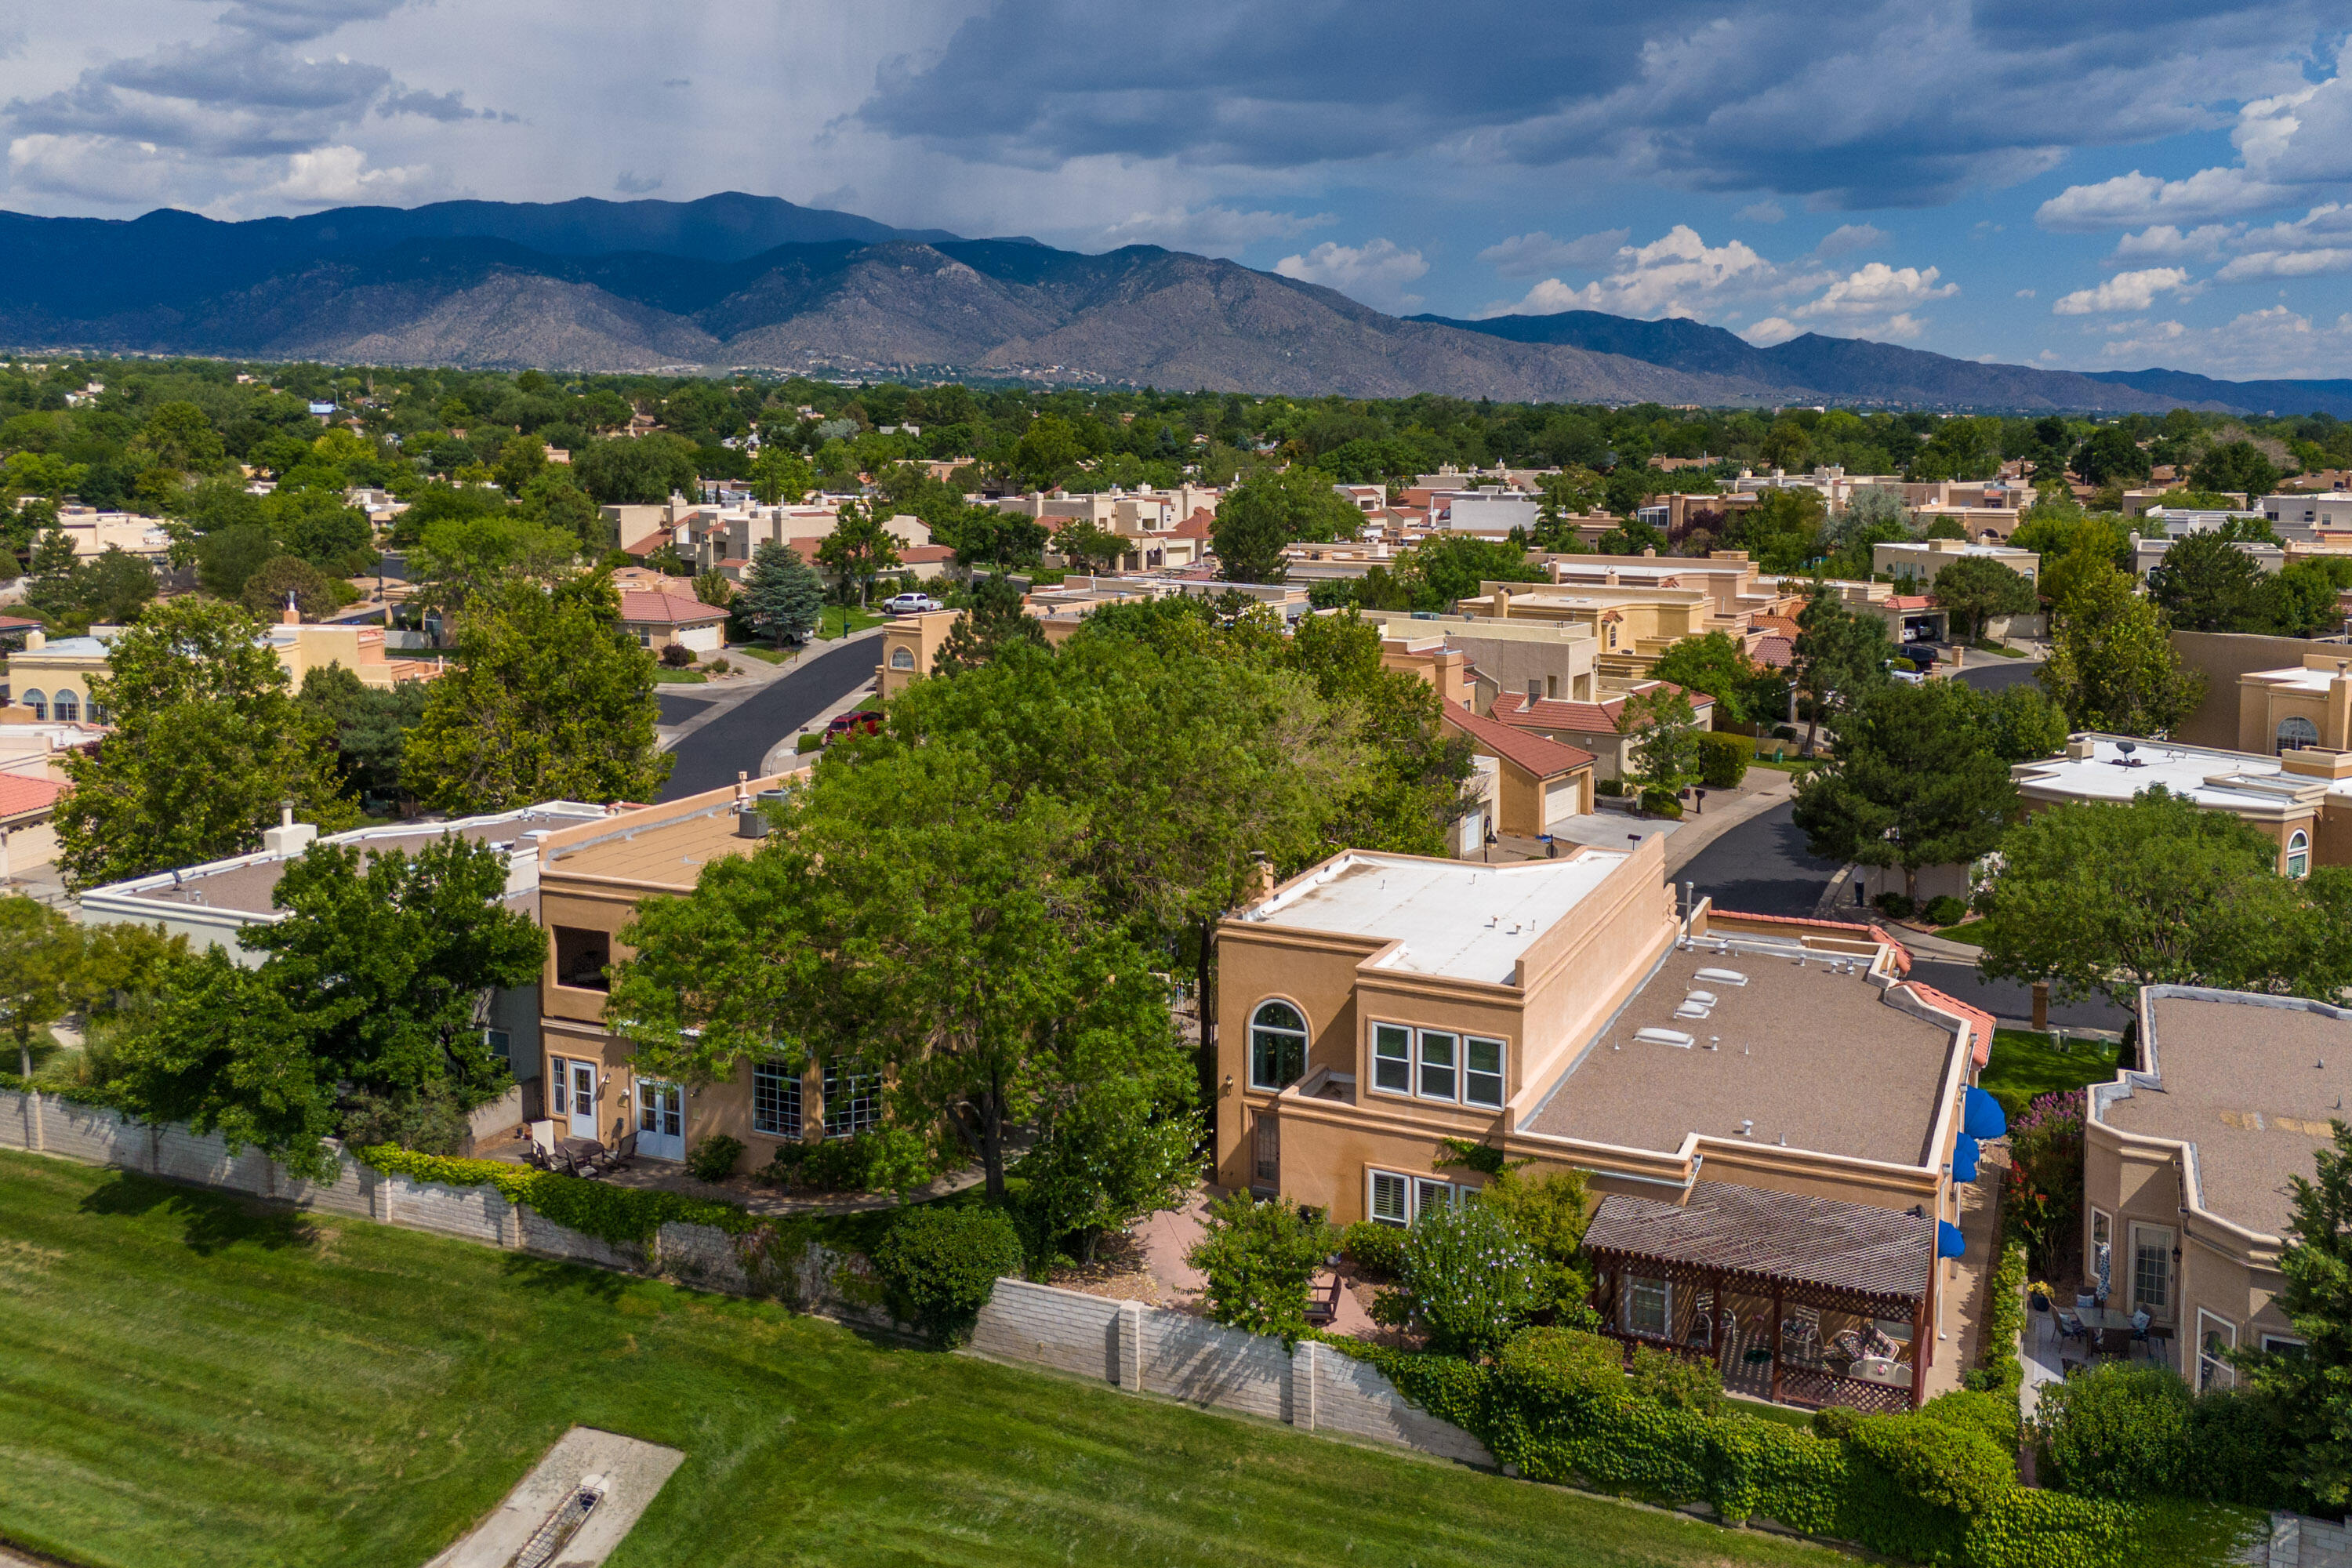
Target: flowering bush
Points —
{"points": [[2042, 1198], [1258, 1260], [1470, 1278]]}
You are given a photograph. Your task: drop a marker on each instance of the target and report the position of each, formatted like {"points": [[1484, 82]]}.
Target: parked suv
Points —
{"points": [[857, 721], [912, 603]]}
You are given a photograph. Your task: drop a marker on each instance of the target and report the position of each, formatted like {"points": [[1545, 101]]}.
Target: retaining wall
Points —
{"points": [[1152, 1349]]}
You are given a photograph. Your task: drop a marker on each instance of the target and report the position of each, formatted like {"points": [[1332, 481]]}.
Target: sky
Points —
{"points": [[2097, 185]]}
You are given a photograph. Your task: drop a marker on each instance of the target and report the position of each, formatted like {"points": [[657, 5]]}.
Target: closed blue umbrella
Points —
{"points": [[1964, 1159], [1982, 1115], [1949, 1242]]}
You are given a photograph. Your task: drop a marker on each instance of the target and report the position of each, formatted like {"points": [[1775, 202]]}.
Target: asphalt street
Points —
{"points": [[1995, 673], [738, 740], [1760, 868]]}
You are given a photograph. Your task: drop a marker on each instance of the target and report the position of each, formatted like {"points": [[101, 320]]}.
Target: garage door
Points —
{"points": [[1559, 801]]}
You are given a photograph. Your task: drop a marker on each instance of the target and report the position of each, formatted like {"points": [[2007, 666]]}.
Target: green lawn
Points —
{"points": [[665, 676], [1983, 646], [840, 620], [2024, 1065], [754, 650], [186, 1380]]}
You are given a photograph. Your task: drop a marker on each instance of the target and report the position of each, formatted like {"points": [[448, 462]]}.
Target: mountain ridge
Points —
{"points": [[738, 281]]}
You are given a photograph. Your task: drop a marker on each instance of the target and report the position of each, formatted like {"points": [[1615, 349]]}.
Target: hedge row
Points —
{"points": [[1998, 1370], [1929, 1487], [592, 1208]]}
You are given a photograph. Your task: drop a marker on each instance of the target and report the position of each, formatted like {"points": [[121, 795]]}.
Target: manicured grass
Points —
{"points": [[754, 650], [1982, 645], [2025, 1065], [840, 620], [190, 1380], [664, 676]]}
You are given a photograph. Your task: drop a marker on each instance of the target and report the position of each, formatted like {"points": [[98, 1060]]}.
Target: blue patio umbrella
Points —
{"points": [[1982, 1115], [1964, 1159], [1949, 1242]]}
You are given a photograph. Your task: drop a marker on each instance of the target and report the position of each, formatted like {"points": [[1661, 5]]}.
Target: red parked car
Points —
{"points": [[857, 721]]}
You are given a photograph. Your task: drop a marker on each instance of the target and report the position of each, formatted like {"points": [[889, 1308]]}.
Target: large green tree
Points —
{"points": [[1715, 666], [1975, 588], [369, 725], [207, 742], [860, 549], [549, 699], [644, 471], [2112, 667], [2102, 899], [1917, 782], [1841, 655], [781, 475], [2309, 1387], [2206, 583], [998, 619], [915, 920], [782, 595], [1270, 510]]}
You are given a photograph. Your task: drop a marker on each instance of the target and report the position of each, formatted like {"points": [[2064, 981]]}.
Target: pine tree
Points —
{"points": [[782, 595], [995, 622], [2310, 1387]]}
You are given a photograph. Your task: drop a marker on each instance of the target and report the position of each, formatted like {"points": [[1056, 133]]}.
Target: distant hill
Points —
{"points": [[733, 279], [1853, 370]]}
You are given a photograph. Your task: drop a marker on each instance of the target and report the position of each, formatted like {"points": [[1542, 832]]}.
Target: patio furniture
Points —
{"points": [[579, 1156], [2141, 1325], [2070, 1327], [1323, 1301]]}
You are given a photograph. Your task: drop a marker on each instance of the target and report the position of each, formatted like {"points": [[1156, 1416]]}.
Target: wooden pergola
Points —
{"points": [[1787, 1248]]}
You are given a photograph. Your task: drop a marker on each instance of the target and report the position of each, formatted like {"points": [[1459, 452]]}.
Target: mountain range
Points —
{"points": [[738, 280]]}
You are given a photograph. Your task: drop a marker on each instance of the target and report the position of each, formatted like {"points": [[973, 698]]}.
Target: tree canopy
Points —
{"points": [[2112, 667]]}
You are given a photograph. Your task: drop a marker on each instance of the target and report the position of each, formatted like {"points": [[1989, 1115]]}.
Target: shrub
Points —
{"points": [[719, 666], [942, 1265], [1376, 1250], [1992, 1415], [1999, 1371], [1550, 1212], [676, 655], [1675, 1381], [1608, 786], [2042, 1196], [833, 1165], [1551, 1365], [1944, 909], [2116, 1431], [1723, 759], [1258, 1260], [1471, 1279], [2242, 1451], [1658, 802], [808, 744], [713, 1159], [1917, 1484], [1895, 906], [1836, 1421]]}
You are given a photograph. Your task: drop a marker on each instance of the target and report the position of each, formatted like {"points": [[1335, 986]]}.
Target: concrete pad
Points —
{"points": [[633, 1475]]}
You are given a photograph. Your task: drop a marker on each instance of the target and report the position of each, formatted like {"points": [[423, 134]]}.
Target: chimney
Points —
{"points": [[290, 838], [2339, 708], [1502, 603], [292, 614], [35, 641], [1260, 885]]}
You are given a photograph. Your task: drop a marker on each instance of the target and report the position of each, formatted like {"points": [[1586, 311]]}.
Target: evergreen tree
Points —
{"points": [[2112, 667], [860, 549], [1841, 654], [782, 594], [997, 620], [2310, 1387]]}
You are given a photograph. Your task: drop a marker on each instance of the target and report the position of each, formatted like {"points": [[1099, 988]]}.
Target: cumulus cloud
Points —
{"points": [[1877, 289], [1847, 238], [1374, 272], [95, 168], [631, 184], [1211, 230], [2165, 240], [1677, 274], [1766, 211], [2125, 292], [2261, 264], [2025, 294], [1526, 255], [2276, 341], [2290, 145], [1770, 330], [339, 176], [297, 21]]}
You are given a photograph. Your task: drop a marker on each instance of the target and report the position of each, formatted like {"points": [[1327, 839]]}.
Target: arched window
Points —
{"points": [[67, 706], [2298, 852], [902, 659], [1277, 1046], [2294, 732], [38, 701]]}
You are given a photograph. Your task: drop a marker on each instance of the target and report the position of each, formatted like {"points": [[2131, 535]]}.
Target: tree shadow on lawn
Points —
{"points": [[212, 1222], [555, 1274]]}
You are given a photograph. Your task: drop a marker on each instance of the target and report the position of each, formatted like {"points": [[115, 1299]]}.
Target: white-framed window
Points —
{"points": [[776, 1100], [1392, 1058], [69, 706], [2283, 1344], [2298, 852], [2216, 1338], [1396, 1199], [2103, 1249], [902, 659], [1438, 1064], [1649, 1306], [1482, 1071], [501, 1044], [2152, 1269], [1277, 1046], [853, 1103]]}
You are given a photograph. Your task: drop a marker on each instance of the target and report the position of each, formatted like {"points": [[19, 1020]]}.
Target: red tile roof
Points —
{"points": [[21, 797], [1778, 653], [1587, 718], [916, 555], [1529, 752], [1877, 933], [1908, 601], [1196, 526], [1777, 626], [649, 606], [1981, 1023]]}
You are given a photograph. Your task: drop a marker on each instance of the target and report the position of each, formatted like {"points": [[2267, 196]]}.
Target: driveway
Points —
{"points": [[730, 734], [1761, 868], [1990, 672]]}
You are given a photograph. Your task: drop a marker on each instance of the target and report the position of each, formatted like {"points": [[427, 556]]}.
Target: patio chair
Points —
{"points": [[2070, 1328], [2140, 1324]]}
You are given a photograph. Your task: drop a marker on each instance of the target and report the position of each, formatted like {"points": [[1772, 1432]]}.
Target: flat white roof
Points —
{"points": [[2229, 781], [1455, 918]]}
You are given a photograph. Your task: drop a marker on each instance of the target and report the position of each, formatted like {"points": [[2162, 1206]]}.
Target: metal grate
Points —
{"points": [[561, 1526]]}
